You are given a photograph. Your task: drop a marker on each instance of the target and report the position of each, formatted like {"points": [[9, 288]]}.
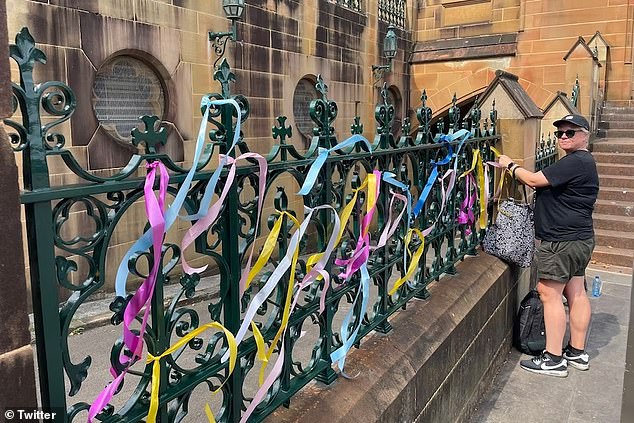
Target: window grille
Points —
{"points": [[305, 92], [392, 12], [350, 4], [124, 89]]}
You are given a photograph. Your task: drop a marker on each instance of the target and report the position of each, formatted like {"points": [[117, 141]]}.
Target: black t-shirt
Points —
{"points": [[563, 210]]}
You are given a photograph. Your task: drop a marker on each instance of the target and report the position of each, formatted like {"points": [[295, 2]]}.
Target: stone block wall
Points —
{"points": [[279, 43], [429, 368], [544, 32], [16, 353], [465, 18]]}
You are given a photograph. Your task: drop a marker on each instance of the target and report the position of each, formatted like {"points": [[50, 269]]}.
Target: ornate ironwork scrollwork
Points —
{"points": [[79, 251], [323, 111]]}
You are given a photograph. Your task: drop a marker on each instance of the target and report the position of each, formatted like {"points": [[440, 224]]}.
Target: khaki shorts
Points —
{"points": [[560, 261]]}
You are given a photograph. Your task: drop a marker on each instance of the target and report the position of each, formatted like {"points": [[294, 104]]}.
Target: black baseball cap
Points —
{"points": [[576, 120]]}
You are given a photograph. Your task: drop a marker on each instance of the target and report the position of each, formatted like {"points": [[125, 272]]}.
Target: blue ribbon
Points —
{"points": [[462, 134], [313, 172], [339, 355], [390, 178], [144, 243]]}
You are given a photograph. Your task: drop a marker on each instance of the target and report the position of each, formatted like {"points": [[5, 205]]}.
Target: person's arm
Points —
{"points": [[533, 180], [525, 176]]}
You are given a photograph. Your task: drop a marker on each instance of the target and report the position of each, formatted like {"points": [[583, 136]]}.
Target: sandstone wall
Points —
{"points": [[544, 33], [280, 42]]}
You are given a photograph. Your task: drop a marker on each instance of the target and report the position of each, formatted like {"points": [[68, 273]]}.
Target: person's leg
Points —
{"points": [[580, 312], [552, 271], [554, 314], [551, 362]]}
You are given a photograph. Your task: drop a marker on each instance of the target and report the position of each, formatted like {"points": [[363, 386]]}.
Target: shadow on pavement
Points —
{"points": [[604, 327]]}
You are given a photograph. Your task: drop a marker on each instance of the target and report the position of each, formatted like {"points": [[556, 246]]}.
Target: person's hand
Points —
{"points": [[504, 160]]}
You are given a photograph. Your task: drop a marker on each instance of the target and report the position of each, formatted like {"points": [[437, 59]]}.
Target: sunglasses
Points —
{"points": [[569, 133]]}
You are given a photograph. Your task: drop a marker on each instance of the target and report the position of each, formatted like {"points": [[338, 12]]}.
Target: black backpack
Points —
{"points": [[529, 333]]}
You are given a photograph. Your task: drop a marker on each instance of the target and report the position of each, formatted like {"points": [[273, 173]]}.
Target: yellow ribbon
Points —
{"points": [[482, 193], [210, 415], [413, 265], [371, 197], [474, 162], [259, 342], [267, 249], [287, 304], [156, 367], [344, 216], [370, 182]]}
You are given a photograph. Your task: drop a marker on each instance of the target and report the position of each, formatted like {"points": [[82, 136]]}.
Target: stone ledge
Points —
{"points": [[480, 47], [18, 375], [430, 368]]}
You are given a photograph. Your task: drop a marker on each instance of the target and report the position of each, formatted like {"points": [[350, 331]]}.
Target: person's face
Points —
{"points": [[570, 141]]}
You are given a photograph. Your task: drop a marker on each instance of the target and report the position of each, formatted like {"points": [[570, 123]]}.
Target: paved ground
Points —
{"points": [[591, 396]]}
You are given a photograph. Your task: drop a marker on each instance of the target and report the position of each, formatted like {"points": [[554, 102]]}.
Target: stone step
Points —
{"points": [[616, 124], [616, 181], [612, 117], [617, 194], [611, 271], [615, 256], [615, 239], [617, 110], [618, 133], [626, 140], [615, 207], [611, 222], [615, 169], [613, 146], [618, 103], [621, 158]]}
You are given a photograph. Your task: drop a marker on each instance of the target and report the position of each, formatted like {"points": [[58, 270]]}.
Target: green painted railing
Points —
{"points": [[546, 152], [76, 263]]}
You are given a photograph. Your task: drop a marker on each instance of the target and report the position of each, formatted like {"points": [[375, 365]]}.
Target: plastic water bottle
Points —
{"points": [[596, 286]]}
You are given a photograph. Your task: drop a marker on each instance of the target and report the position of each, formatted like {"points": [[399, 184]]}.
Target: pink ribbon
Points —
{"points": [[205, 223], [155, 209], [362, 249], [445, 194], [392, 224], [466, 216]]}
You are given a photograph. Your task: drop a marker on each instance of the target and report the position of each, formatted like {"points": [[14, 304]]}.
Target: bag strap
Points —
{"points": [[514, 183]]}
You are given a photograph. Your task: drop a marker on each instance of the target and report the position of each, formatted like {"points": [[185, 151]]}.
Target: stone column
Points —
{"points": [[519, 124], [16, 354], [558, 107], [582, 64], [600, 46]]}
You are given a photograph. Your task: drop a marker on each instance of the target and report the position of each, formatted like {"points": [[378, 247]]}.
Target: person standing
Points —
{"points": [[565, 195]]}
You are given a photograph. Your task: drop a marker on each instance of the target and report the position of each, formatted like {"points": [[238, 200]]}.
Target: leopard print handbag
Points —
{"points": [[512, 236]]}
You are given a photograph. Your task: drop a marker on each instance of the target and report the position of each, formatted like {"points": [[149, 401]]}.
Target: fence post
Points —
{"points": [[16, 353], [230, 245], [520, 130]]}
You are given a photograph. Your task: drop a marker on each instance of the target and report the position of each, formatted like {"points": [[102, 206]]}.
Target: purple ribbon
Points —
{"points": [[362, 250], [155, 209], [466, 216]]}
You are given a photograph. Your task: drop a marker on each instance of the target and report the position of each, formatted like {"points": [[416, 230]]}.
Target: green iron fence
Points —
{"points": [[546, 152], [104, 200]]}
